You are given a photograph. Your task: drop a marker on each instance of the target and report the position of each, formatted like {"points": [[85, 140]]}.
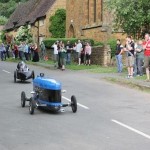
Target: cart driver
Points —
{"points": [[22, 66]]}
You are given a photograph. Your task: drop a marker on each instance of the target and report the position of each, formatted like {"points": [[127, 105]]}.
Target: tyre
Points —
{"points": [[15, 77], [73, 104], [33, 75], [31, 107], [23, 99]]}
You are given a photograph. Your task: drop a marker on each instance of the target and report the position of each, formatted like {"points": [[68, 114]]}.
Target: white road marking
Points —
{"points": [[6, 71], [132, 129], [85, 107]]}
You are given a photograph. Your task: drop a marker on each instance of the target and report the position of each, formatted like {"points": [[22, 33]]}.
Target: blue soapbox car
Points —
{"points": [[47, 93]]}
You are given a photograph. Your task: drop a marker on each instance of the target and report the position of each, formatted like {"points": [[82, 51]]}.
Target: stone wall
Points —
{"points": [[99, 56]]}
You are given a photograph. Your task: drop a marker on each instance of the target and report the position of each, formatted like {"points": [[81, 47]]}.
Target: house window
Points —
{"points": [[41, 22], [94, 10]]}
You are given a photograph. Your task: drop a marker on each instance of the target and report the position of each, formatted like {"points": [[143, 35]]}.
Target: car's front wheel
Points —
{"points": [[23, 99], [73, 104], [31, 107]]}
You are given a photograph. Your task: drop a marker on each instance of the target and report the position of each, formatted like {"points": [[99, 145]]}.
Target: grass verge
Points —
{"points": [[128, 83], [73, 66]]}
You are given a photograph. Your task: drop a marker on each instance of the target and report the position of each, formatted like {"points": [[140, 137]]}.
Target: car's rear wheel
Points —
{"points": [[33, 75], [15, 77], [31, 107], [73, 104], [23, 99]]}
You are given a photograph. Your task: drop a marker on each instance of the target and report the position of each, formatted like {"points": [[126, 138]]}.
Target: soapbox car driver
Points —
{"points": [[22, 67]]}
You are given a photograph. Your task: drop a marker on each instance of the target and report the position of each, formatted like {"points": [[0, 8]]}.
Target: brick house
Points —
{"points": [[89, 19], [36, 14]]}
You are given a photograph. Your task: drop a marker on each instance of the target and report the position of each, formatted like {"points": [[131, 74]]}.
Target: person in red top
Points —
{"points": [[16, 51], [146, 47]]}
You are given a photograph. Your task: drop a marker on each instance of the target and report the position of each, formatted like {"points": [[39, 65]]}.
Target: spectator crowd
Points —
{"points": [[64, 54], [23, 51], [137, 56], [78, 52]]}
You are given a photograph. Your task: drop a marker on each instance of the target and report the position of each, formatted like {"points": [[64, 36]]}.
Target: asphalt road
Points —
{"points": [[109, 117]]}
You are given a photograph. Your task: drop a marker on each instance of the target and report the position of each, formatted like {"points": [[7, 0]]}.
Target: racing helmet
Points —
{"points": [[21, 65]]}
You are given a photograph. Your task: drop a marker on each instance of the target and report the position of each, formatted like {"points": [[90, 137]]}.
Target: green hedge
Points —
{"points": [[97, 43], [50, 41], [112, 43]]}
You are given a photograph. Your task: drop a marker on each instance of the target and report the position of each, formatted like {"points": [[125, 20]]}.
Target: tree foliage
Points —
{"points": [[8, 7], [3, 20], [58, 24], [23, 34], [133, 16]]}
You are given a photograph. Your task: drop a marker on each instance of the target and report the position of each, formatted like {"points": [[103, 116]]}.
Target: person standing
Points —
{"points": [[74, 49], [16, 50], [59, 54], [36, 54], [43, 50], [119, 51], [78, 50], [26, 51], [139, 52], [88, 51], [7, 50], [55, 46], [62, 55], [2, 51], [129, 48], [21, 51], [146, 47], [69, 49]]}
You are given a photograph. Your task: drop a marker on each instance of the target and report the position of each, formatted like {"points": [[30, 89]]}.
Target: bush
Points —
{"points": [[3, 20], [3, 36], [50, 41], [58, 24], [97, 43], [112, 43], [91, 41]]}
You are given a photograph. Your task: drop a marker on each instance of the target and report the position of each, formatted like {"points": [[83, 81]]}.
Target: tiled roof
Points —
{"points": [[29, 12]]}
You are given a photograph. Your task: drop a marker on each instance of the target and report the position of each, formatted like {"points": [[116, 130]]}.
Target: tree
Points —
{"points": [[23, 34], [8, 7], [3, 20], [58, 24], [133, 16]]}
